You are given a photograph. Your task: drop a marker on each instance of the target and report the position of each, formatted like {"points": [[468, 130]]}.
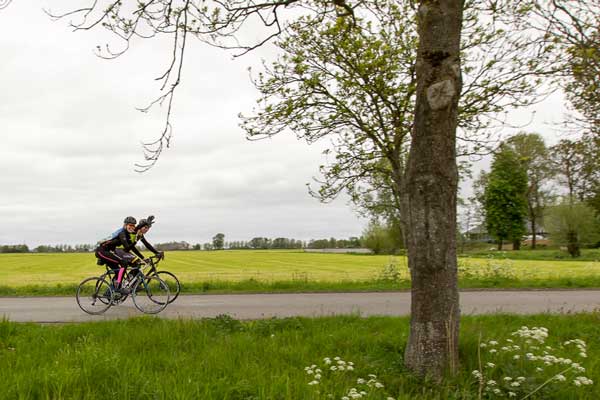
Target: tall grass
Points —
{"points": [[222, 358]]}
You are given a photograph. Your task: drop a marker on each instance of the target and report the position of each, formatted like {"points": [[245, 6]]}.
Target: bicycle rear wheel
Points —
{"points": [[94, 295], [150, 295], [172, 281]]}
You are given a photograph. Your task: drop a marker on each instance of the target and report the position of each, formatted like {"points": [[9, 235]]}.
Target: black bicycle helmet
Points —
{"points": [[129, 220]]}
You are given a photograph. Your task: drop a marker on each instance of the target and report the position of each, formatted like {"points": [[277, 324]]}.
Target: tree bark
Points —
{"points": [[516, 244], [533, 234], [429, 202]]}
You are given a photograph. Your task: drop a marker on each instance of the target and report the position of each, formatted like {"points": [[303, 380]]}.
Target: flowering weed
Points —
{"points": [[529, 365], [338, 379]]}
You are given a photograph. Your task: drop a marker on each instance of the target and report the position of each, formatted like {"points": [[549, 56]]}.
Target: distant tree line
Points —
{"points": [[15, 248], [59, 248], [264, 243], [171, 246], [218, 243]]}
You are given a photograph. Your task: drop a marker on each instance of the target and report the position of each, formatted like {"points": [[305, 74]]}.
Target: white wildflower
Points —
{"points": [[516, 356], [378, 385], [361, 381], [511, 394], [311, 383], [582, 380], [560, 378], [490, 365]]}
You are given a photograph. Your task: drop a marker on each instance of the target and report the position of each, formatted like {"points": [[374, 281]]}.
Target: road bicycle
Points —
{"points": [[150, 294], [166, 276]]}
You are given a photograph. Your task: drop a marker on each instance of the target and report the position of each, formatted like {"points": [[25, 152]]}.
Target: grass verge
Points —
{"points": [[222, 358], [300, 286]]}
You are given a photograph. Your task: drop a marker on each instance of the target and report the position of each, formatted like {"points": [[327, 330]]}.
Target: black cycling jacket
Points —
{"points": [[123, 239]]}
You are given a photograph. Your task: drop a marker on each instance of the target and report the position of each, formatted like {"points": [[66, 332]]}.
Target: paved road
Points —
{"points": [[255, 306]]}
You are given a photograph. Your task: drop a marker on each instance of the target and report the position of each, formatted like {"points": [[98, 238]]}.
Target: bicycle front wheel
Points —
{"points": [[94, 295], [172, 281], [150, 295]]}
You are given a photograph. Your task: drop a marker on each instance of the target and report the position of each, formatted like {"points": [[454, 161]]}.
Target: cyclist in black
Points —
{"points": [[141, 229], [115, 251]]}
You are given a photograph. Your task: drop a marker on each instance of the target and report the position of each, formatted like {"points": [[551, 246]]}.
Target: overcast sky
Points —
{"points": [[71, 135]]}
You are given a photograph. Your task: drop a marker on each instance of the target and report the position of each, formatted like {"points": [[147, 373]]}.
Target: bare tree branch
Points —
{"points": [[217, 24]]}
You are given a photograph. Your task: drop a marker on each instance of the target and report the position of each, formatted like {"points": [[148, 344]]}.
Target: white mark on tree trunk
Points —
{"points": [[456, 70], [439, 95]]}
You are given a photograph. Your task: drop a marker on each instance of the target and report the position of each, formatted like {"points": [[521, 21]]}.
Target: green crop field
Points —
{"points": [[18, 270]]}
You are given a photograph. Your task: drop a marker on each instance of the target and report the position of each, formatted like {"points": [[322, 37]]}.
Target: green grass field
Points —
{"points": [[292, 270], [225, 359]]}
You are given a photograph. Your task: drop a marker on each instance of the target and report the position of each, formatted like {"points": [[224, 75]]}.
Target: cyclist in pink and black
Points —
{"points": [[115, 251]]}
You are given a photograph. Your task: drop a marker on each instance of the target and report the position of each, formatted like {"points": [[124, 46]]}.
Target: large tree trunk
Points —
{"points": [[429, 202]]}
